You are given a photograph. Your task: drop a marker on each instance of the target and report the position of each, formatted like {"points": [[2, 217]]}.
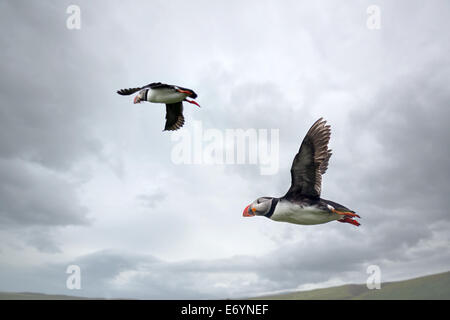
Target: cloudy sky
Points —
{"points": [[88, 179]]}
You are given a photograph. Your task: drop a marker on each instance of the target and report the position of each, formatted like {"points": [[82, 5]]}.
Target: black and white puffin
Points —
{"points": [[302, 203], [172, 96]]}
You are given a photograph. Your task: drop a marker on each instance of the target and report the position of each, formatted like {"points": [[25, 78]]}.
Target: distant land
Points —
{"points": [[38, 296], [435, 287]]}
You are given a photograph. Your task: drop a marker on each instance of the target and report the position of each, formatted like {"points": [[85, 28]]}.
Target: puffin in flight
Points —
{"points": [[172, 96], [302, 203]]}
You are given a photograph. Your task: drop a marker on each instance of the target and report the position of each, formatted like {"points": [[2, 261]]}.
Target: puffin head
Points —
{"points": [[141, 96], [259, 207]]}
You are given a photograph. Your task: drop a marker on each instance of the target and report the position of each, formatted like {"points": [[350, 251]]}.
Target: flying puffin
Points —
{"points": [[172, 96], [302, 203]]}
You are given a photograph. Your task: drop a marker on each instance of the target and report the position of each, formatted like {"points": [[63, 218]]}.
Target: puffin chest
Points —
{"points": [[287, 211], [165, 95]]}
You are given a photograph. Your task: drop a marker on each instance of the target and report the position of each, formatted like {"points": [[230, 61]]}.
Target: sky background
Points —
{"points": [[86, 176]]}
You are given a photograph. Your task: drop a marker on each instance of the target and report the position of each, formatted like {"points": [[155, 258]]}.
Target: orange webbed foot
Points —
{"points": [[349, 220], [346, 213]]}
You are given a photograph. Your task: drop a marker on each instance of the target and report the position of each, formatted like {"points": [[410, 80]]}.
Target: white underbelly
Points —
{"points": [[165, 96], [293, 213]]}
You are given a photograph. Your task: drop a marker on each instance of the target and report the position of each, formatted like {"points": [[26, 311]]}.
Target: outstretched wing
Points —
{"points": [[311, 162], [128, 91], [153, 85], [174, 116]]}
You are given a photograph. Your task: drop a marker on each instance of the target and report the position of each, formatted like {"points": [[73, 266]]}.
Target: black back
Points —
{"points": [[155, 85]]}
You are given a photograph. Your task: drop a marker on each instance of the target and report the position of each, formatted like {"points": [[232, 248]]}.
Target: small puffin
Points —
{"points": [[172, 96], [302, 203]]}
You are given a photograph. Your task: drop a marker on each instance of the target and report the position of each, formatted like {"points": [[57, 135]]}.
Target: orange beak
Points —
{"points": [[137, 99], [184, 91], [193, 102], [248, 212]]}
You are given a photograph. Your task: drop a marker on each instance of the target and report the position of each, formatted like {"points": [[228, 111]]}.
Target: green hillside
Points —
{"points": [[429, 287]]}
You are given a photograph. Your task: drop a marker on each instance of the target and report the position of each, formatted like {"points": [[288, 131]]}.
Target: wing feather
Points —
{"points": [[153, 85], [128, 91], [311, 162], [174, 116]]}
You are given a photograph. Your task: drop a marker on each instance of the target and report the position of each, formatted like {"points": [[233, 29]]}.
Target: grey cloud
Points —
{"points": [[152, 199], [44, 127], [408, 121], [254, 66], [116, 274], [44, 107], [43, 239], [31, 195]]}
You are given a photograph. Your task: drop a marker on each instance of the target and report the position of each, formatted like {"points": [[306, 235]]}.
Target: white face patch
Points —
{"points": [[262, 205]]}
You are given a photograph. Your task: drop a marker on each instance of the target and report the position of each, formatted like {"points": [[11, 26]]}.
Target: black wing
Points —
{"points": [[174, 116], [153, 85], [127, 92], [157, 85], [310, 162]]}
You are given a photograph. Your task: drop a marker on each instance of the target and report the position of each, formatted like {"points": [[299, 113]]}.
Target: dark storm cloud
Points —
{"points": [[44, 128], [41, 238], [31, 195], [43, 107], [408, 120]]}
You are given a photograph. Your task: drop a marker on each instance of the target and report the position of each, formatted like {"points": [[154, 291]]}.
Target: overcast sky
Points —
{"points": [[87, 178]]}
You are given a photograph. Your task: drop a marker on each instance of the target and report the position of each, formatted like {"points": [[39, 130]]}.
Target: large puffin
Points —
{"points": [[172, 96], [302, 203]]}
